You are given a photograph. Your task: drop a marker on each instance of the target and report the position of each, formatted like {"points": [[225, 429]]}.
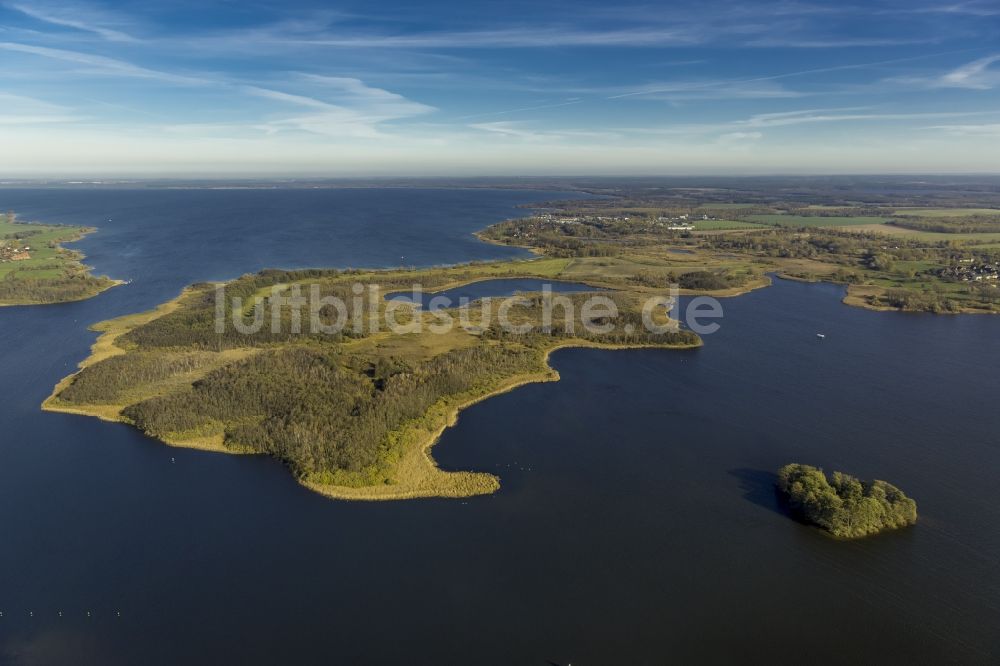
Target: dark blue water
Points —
{"points": [[490, 289], [636, 524]]}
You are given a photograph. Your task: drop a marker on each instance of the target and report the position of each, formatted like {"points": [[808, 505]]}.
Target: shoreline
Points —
{"points": [[104, 348], [410, 470], [432, 472], [850, 299], [856, 300], [417, 473]]}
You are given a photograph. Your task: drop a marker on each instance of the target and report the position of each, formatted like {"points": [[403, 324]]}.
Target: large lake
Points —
{"points": [[637, 523]]}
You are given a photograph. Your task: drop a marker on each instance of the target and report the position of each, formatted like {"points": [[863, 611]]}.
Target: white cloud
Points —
{"points": [[356, 93], [783, 42], [21, 110], [521, 130], [982, 130], [529, 37], [356, 109], [749, 81], [747, 127], [79, 17], [289, 98], [976, 75], [507, 128], [707, 90], [103, 65], [837, 116], [973, 8], [740, 137]]}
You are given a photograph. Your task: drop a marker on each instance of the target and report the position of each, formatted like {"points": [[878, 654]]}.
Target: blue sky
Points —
{"points": [[497, 88]]}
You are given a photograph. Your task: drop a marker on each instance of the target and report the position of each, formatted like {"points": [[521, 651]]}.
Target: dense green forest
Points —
{"points": [[303, 406], [967, 224], [109, 381], [843, 505], [705, 281], [18, 287]]}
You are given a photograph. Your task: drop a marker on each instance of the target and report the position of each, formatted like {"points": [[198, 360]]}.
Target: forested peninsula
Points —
{"points": [[354, 414]]}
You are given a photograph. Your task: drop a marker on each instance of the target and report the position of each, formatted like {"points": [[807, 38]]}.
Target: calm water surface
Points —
{"points": [[637, 523], [501, 288]]}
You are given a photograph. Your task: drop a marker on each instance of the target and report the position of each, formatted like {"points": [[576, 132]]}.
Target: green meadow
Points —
{"points": [[796, 221]]}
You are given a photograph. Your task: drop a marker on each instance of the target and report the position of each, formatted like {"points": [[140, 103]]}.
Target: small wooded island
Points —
{"points": [[35, 269], [844, 506]]}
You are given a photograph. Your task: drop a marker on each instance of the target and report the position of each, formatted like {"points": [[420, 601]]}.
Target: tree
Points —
{"points": [[843, 505]]}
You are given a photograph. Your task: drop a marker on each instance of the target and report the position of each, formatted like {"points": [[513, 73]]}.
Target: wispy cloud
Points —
{"points": [[522, 130], [822, 42], [76, 16], [533, 107], [812, 116], [348, 107], [712, 89], [104, 65], [754, 124], [772, 24], [982, 130], [279, 96], [976, 74], [355, 92], [351, 108], [21, 110], [650, 90], [739, 138], [516, 37], [506, 128], [974, 8]]}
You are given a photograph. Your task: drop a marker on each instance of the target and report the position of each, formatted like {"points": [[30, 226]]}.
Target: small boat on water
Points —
{"points": [[821, 335]]}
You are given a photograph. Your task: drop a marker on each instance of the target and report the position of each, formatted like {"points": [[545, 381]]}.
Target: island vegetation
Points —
{"points": [[36, 269], [842, 505], [351, 414]]}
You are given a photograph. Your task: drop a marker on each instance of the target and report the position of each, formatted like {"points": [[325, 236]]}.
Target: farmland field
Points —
{"points": [[893, 230], [946, 212], [730, 206], [796, 221], [716, 225]]}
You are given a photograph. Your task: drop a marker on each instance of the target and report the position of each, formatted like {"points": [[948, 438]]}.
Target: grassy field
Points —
{"points": [[46, 260], [53, 273], [892, 230], [717, 225], [946, 212], [796, 221], [728, 206]]}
